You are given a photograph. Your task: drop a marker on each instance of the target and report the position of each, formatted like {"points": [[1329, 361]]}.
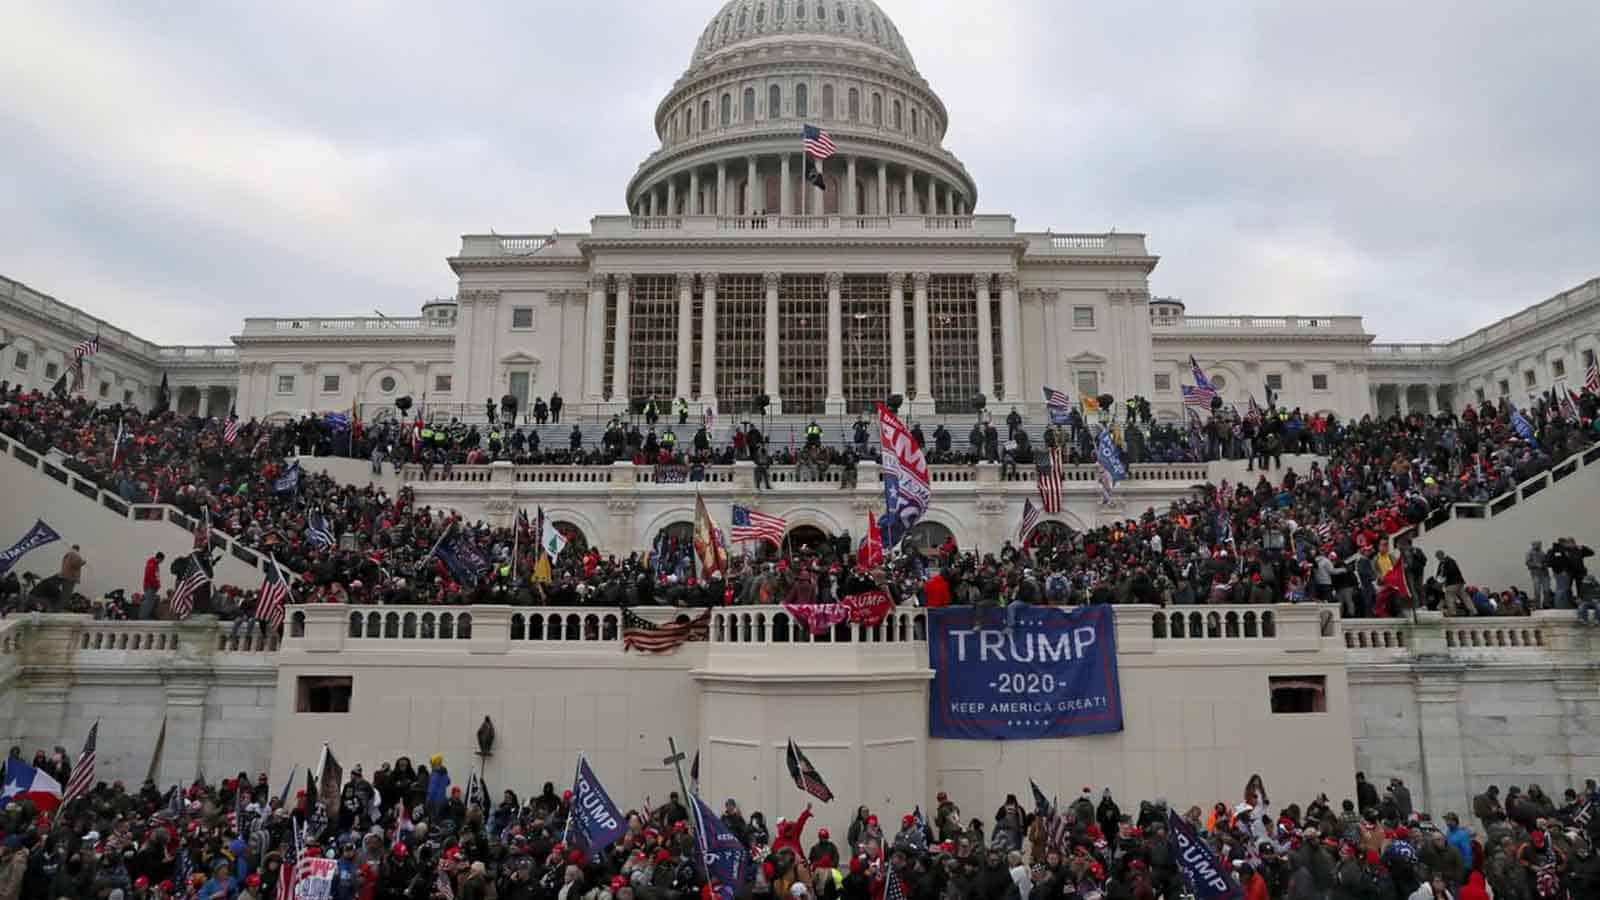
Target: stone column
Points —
{"points": [[205, 399], [693, 206], [932, 208], [769, 355], [1010, 336], [750, 186], [924, 370], [650, 202], [619, 353], [835, 398], [685, 334], [708, 340], [910, 197], [722, 187], [985, 338], [785, 205], [672, 195], [594, 340], [850, 207], [897, 324], [883, 188]]}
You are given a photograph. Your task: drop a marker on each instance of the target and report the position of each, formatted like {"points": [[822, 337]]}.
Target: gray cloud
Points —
{"points": [[1428, 166]]}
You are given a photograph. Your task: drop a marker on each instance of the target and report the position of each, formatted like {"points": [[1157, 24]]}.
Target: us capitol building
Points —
{"points": [[731, 277]]}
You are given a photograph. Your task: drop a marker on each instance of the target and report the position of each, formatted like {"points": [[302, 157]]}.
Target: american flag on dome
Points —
{"points": [[645, 636], [274, 596], [83, 773], [754, 525], [817, 143], [1030, 519], [1049, 478], [193, 580]]}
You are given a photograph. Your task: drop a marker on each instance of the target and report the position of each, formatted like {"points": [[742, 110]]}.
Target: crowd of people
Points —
{"points": [[412, 832], [1324, 533]]}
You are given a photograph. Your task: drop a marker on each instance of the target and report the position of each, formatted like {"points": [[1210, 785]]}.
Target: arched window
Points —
{"points": [[726, 21], [742, 13], [800, 11], [705, 114], [800, 101], [761, 14], [749, 112], [914, 118], [777, 11], [854, 102], [838, 12], [822, 13], [727, 109], [877, 109], [827, 93], [897, 115], [774, 101], [673, 127], [927, 537]]}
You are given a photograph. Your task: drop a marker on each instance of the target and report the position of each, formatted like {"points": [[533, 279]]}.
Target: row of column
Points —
{"points": [[1010, 339], [935, 197], [1434, 398]]}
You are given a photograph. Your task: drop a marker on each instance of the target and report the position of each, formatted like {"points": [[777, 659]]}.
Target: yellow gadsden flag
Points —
{"points": [[708, 541]]}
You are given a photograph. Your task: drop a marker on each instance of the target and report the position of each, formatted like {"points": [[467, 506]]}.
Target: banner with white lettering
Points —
{"points": [[1201, 869], [594, 823], [313, 878], [1053, 675]]}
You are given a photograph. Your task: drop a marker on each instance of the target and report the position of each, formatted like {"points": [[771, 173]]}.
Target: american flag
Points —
{"points": [[273, 598], [1030, 519], [83, 773], [291, 856], [893, 887], [193, 580], [1050, 482], [1324, 530], [817, 143], [1200, 393], [1591, 378], [230, 431], [753, 525], [1056, 399], [86, 348], [645, 636]]}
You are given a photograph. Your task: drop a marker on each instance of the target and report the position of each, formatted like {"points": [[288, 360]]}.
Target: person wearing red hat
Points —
{"points": [[824, 847], [947, 818], [788, 837]]}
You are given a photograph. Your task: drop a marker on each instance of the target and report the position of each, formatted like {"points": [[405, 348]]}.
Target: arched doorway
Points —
{"points": [[577, 543], [802, 539], [1049, 533], [927, 537], [672, 547]]}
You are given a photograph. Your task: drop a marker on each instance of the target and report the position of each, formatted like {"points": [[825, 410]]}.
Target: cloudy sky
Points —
{"points": [[177, 167]]}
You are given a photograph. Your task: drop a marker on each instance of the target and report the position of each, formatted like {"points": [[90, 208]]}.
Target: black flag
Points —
{"points": [[163, 395], [814, 175], [805, 775], [694, 773], [60, 387]]}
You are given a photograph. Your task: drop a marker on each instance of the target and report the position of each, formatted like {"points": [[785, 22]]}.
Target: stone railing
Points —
{"points": [[52, 640], [611, 227], [198, 355], [365, 325], [1541, 636], [1303, 324], [1050, 243]]}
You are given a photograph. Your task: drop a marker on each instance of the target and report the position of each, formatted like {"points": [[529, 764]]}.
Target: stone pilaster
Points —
{"points": [[1444, 776]]}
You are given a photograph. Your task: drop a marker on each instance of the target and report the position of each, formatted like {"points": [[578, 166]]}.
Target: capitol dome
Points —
{"points": [[744, 23], [761, 71]]}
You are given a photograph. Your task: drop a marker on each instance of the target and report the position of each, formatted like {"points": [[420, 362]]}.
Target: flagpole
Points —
{"points": [[675, 758]]}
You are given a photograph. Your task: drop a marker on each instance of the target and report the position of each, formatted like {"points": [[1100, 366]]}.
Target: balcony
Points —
{"points": [[362, 326], [624, 227], [198, 356], [1232, 325]]}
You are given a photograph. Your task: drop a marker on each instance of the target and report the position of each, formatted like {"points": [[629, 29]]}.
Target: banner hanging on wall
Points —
{"points": [[1053, 675]]}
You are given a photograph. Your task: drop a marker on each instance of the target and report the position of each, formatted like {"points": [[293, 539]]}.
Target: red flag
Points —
{"points": [[1392, 588], [871, 553]]}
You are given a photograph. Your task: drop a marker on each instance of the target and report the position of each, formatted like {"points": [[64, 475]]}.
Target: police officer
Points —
{"points": [[813, 434], [651, 411], [669, 441], [683, 411]]}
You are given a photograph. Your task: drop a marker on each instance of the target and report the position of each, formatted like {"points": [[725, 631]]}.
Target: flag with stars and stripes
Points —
{"points": [[1056, 404], [274, 596], [817, 144], [1591, 378], [645, 636], [1030, 519], [894, 888], [189, 587], [230, 431], [1200, 393], [83, 773], [753, 525], [1049, 479], [87, 348]]}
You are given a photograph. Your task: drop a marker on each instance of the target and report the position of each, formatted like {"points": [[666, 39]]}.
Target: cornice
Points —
{"points": [[1190, 337], [459, 264], [447, 337], [745, 240], [1147, 263]]}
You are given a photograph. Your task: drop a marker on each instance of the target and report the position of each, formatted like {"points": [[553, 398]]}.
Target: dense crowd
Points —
{"points": [[1320, 534], [410, 832]]}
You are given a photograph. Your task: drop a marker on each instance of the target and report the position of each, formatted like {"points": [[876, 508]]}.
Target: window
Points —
{"points": [[322, 694], [774, 102], [1319, 381], [800, 10], [330, 384], [1088, 384], [749, 112], [800, 106], [727, 108], [1505, 387], [105, 389], [827, 101], [1298, 694], [877, 109], [522, 317], [387, 384], [897, 115], [1163, 381], [285, 384], [914, 118], [1478, 392], [854, 103], [1219, 382], [51, 370], [442, 384], [705, 114], [1529, 379], [1083, 317], [1558, 368], [127, 398], [20, 362]]}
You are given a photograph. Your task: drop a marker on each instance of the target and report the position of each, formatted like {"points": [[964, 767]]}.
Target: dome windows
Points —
{"points": [[705, 114], [914, 118], [774, 102], [877, 109], [897, 115], [727, 22], [822, 13], [827, 101], [777, 12], [800, 107], [800, 11], [748, 114], [743, 12], [854, 105], [860, 24], [873, 20], [727, 110], [838, 12], [761, 15]]}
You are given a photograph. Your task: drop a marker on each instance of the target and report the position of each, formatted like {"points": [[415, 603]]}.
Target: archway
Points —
{"points": [[1049, 533], [801, 538], [926, 537], [672, 546], [577, 543]]}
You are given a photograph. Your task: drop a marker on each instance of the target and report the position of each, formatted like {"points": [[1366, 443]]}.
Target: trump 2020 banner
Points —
{"points": [[1054, 675], [594, 823], [1201, 869]]}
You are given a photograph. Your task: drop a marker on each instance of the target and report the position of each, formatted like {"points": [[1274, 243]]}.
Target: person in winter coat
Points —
{"points": [[824, 847], [789, 833], [1474, 889], [1010, 824], [438, 785]]}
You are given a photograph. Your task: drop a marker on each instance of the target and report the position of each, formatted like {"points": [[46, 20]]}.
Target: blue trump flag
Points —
{"points": [[725, 862], [36, 537], [289, 481], [1105, 453], [1053, 675], [1521, 425], [594, 823], [463, 560], [1201, 869]]}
